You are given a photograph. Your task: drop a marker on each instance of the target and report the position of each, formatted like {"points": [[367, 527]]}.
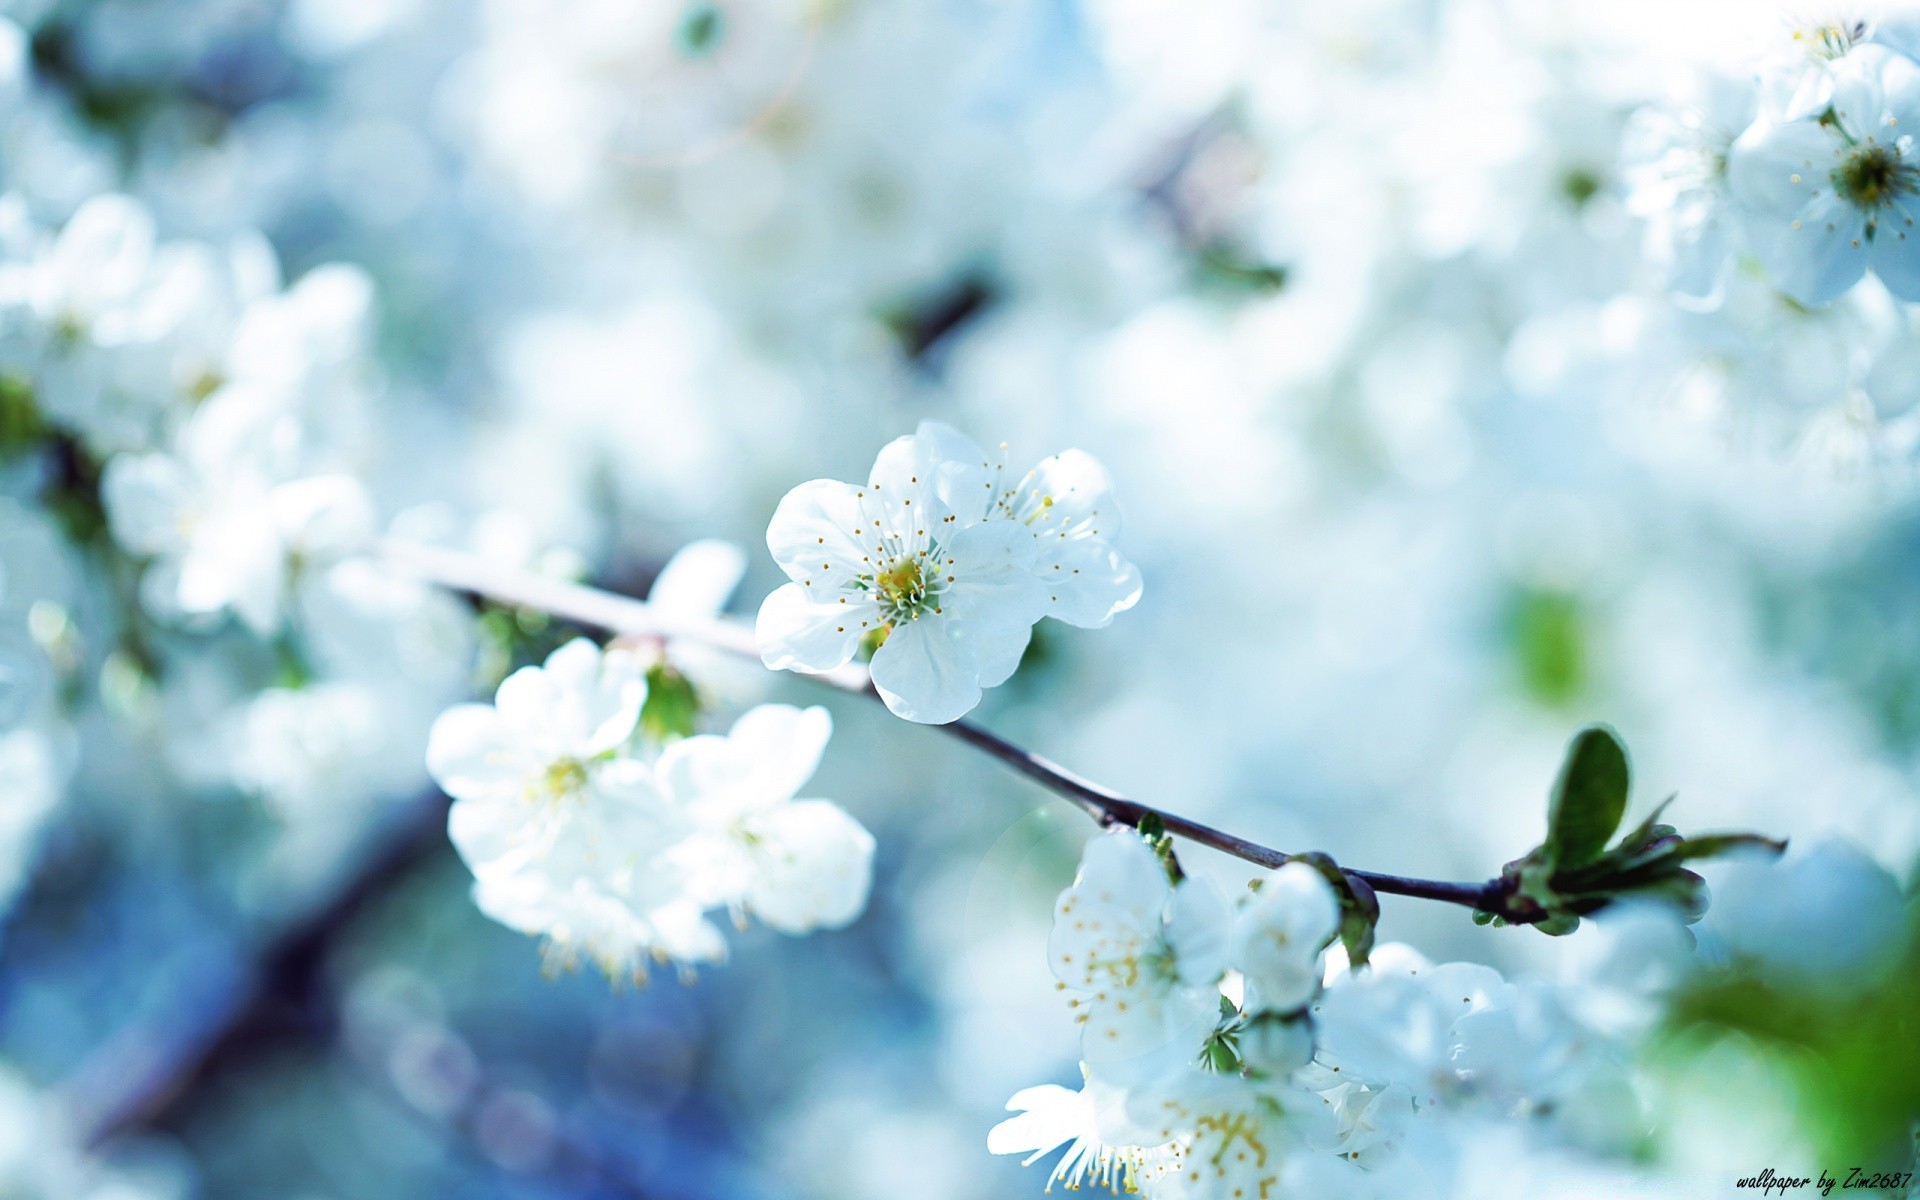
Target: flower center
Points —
{"points": [[905, 590], [1872, 175], [1829, 40], [563, 777]]}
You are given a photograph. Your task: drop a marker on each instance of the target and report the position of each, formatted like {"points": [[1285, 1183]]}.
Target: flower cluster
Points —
{"points": [[1217, 1065], [941, 563], [1811, 168], [576, 832]]}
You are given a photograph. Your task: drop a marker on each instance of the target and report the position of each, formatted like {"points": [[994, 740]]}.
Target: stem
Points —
{"points": [[627, 617]]}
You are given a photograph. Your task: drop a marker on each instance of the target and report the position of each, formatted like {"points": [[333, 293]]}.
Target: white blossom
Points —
{"points": [[1278, 934], [1237, 1137], [946, 564], [225, 529], [573, 832], [1827, 194], [1140, 957], [798, 865], [1092, 1124], [564, 832], [951, 600]]}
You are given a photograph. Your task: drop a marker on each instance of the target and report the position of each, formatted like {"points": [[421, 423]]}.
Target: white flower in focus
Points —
{"points": [[1675, 160], [953, 600], [1068, 503], [798, 865], [1828, 194], [1086, 1122], [1141, 957], [563, 833], [1278, 935], [1238, 1137]]}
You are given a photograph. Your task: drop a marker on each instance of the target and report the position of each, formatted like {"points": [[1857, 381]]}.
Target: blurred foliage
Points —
{"points": [[1850, 1046], [1548, 634]]}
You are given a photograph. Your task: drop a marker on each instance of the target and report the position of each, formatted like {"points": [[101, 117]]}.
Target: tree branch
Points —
{"points": [[627, 617]]}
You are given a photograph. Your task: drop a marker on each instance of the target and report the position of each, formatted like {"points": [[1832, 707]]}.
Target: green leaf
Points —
{"points": [[1589, 797], [1713, 845]]}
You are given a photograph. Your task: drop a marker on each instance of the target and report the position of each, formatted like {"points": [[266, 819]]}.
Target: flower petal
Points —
{"points": [[925, 673], [795, 633]]}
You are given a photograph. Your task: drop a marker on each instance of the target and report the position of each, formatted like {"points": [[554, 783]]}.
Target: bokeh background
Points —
{"points": [[1422, 466]]}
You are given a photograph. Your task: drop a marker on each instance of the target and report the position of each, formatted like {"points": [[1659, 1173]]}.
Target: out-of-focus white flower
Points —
{"points": [[1820, 916], [1141, 956], [954, 600], [1623, 963], [42, 1156], [224, 532], [1090, 1124], [1826, 194], [1676, 175], [31, 787], [1278, 935], [798, 865], [1394, 1023], [306, 750]]}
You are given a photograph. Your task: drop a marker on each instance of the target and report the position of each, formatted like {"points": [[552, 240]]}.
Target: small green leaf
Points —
{"points": [[1713, 845], [1589, 797]]}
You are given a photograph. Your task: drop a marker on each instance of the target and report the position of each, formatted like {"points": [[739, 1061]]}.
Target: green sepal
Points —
{"points": [[1359, 907]]}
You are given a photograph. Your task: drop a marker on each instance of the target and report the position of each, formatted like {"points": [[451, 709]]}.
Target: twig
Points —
{"points": [[627, 617]]}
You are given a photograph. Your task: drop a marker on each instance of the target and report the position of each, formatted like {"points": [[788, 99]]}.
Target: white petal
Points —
{"points": [[925, 674], [996, 653], [150, 503], [1050, 1116], [470, 755], [1074, 493], [993, 584], [794, 633], [1087, 581], [325, 516], [783, 744], [699, 579], [1197, 927], [1895, 250], [819, 537], [813, 867]]}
